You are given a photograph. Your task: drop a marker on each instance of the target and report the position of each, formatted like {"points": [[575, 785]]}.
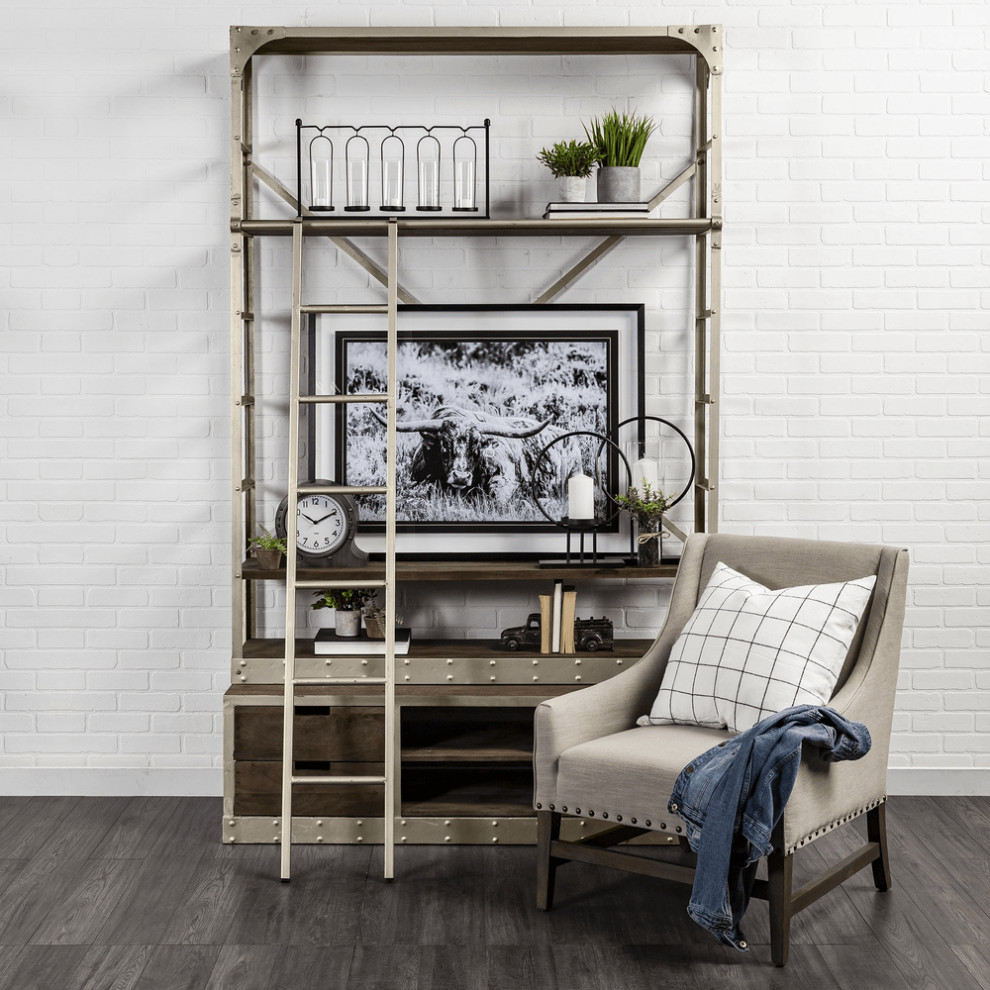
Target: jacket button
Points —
{"points": [[673, 807], [689, 769]]}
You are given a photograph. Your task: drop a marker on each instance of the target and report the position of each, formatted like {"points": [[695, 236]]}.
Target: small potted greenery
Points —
{"points": [[619, 141], [374, 619], [647, 506], [571, 162], [268, 549], [347, 604]]}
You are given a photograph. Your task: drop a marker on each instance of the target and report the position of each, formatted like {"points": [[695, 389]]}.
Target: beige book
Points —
{"points": [[567, 617], [546, 620]]}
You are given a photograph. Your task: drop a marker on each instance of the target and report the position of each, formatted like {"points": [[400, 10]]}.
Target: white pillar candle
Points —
{"points": [[580, 497], [645, 472]]}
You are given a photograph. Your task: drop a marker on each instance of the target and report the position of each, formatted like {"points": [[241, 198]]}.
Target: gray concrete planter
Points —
{"points": [[618, 184]]}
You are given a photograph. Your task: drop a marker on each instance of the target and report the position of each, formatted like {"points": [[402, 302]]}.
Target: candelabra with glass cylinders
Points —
{"points": [[449, 179]]}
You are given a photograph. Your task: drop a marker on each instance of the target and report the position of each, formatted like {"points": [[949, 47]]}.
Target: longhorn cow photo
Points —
{"points": [[477, 417]]}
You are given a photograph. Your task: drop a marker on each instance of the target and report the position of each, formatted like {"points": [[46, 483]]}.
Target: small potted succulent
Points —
{"points": [[347, 604], [619, 141], [570, 162], [647, 505], [268, 549], [374, 619]]}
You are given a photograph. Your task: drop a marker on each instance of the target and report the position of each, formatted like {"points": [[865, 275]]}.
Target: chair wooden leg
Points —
{"points": [[876, 831], [547, 831], [779, 877]]}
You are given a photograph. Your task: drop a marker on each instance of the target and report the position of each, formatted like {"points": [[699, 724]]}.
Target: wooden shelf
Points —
{"points": [[444, 736], [461, 570], [444, 692], [450, 227], [442, 649], [478, 746], [472, 792]]}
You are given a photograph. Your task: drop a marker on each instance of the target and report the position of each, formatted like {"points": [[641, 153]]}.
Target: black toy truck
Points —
{"points": [[590, 635]]}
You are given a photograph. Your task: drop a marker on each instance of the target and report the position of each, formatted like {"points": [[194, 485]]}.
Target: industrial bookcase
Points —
{"points": [[456, 726]]}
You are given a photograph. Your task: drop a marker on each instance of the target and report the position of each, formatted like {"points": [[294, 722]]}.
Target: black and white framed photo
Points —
{"points": [[483, 391]]}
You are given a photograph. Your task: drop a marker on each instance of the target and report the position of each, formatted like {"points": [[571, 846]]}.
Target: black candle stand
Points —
{"points": [[581, 558]]}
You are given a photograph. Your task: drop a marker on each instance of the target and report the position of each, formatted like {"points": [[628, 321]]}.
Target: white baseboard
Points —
{"points": [[112, 781], [959, 781], [208, 782]]}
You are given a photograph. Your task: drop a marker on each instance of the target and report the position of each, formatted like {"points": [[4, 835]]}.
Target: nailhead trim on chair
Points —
{"points": [[811, 836]]}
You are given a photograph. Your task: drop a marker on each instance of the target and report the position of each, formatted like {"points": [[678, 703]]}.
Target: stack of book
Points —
{"points": [[328, 643], [597, 211], [557, 613]]}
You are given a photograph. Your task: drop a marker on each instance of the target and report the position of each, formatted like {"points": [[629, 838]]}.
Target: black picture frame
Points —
{"points": [[488, 369]]}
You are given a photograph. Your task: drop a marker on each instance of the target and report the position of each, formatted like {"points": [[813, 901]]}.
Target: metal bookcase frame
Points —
{"points": [[704, 42]]}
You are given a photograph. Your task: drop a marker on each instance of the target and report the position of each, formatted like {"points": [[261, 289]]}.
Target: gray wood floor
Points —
{"points": [[139, 894]]}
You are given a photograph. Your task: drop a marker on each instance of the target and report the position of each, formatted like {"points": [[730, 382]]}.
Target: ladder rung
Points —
{"points": [[343, 309], [317, 681], [349, 583], [338, 780], [342, 489], [371, 397]]}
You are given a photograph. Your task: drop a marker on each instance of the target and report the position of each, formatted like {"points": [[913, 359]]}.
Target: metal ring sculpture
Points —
{"points": [[665, 422], [598, 475]]}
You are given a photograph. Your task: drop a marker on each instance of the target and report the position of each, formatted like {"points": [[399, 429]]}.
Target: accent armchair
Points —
{"points": [[591, 761]]}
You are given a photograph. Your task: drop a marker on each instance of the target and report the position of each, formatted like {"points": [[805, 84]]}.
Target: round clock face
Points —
{"points": [[321, 525]]}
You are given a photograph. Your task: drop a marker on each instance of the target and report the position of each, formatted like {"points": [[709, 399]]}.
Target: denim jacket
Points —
{"points": [[732, 796]]}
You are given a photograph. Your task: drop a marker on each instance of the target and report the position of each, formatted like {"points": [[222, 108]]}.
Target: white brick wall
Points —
{"points": [[856, 359]]}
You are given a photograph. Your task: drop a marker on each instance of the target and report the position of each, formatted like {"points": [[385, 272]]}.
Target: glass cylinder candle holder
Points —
{"points": [[465, 173], [356, 155], [321, 174], [393, 169], [428, 159]]}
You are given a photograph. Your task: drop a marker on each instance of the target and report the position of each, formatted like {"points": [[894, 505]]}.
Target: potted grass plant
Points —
{"points": [[570, 163], [619, 141]]}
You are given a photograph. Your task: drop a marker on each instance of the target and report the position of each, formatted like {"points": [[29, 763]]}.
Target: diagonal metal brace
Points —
{"points": [[341, 242]]}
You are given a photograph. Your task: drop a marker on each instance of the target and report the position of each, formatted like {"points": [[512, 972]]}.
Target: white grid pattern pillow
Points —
{"points": [[748, 652]]}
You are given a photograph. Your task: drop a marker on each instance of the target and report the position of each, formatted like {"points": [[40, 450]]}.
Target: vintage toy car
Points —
{"points": [[590, 635]]}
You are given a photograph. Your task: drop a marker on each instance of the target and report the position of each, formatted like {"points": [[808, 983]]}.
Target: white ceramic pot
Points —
{"points": [[347, 623], [572, 188]]}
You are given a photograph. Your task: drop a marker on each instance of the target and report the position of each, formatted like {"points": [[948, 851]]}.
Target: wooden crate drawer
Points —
{"points": [[321, 733], [258, 790]]}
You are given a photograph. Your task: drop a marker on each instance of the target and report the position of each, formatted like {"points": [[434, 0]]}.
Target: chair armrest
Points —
{"points": [[595, 711], [827, 794]]}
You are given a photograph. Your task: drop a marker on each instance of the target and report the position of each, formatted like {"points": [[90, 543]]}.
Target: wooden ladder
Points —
{"points": [[292, 582]]}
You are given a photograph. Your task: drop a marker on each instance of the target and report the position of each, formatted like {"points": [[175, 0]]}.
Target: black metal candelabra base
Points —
{"points": [[582, 557]]}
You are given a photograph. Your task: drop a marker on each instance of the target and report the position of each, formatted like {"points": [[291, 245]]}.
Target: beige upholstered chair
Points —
{"points": [[593, 762]]}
